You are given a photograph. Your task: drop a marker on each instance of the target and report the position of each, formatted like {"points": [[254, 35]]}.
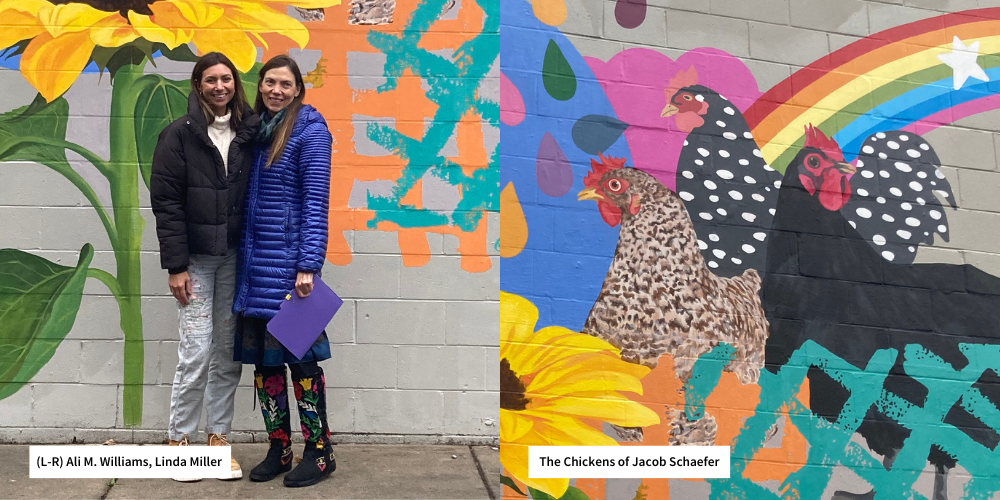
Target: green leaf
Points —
{"points": [[159, 102], [510, 483], [250, 80], [23, 133], [557, 75], [572, 493], [38, 305], [111, 59], [179, 53]]}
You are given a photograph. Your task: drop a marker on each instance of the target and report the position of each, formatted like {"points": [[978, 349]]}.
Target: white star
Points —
{"points": [[962, 60]]}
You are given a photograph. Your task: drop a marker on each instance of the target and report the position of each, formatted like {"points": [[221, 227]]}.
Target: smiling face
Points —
{"points": [[278, 89], [217, 87]]}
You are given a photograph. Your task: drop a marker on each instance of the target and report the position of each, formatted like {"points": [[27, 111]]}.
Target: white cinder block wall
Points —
{"points": [[415, 349]]}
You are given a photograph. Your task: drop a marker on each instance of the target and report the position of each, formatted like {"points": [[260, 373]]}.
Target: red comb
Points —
{"points": [[682, 79], [815, 138], [599, 168]]}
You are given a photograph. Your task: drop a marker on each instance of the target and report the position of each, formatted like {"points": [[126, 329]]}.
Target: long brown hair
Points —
{"points": [[284, 130], [235, 105]]}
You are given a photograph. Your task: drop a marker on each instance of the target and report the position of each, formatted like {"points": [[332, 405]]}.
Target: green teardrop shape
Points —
{"points": [[557, 75]]}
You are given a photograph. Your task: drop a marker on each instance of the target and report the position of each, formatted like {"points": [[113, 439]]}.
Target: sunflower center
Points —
{"points": [[511, 389], [120, 6]]}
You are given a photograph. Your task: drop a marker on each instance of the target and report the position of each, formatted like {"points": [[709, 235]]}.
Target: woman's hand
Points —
{"points": [[180, 286], [304, 284]]}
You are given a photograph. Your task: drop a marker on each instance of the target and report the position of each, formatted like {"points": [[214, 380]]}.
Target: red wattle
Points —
{"points": [[835, 190], [610, 213]]}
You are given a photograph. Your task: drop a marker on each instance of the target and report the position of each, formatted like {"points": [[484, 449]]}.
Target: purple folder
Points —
{"points": [[300, 321]]}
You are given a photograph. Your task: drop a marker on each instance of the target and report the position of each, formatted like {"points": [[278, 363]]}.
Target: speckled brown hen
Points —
{"points": [[660, 297]]}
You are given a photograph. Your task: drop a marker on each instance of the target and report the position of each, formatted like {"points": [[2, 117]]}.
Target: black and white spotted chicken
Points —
{"points": [[731, 193], [728, 189]]}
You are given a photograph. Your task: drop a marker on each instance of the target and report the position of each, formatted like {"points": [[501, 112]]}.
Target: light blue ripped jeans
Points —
{"points": [[205, 352]]}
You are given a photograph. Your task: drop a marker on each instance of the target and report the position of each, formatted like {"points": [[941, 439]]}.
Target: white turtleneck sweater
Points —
{"points": [[222, 135]]}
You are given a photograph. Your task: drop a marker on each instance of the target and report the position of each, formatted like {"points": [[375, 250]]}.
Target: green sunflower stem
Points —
{"points": [[124, 180]]}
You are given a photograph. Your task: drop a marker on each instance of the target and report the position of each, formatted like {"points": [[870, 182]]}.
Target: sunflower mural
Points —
{"points": [[56, 40], [557, 387]]}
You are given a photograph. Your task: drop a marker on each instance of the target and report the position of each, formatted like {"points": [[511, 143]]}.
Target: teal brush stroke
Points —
{"points": [[831, 445], [454, 88], [704, 377]]}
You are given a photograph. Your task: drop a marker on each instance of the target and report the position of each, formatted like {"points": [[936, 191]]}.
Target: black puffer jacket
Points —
{"points": [[198, 207]]}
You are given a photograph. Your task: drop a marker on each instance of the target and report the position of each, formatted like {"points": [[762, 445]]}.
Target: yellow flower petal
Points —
{"points": [[72, 18], [199, 13], [621, 412], [172, 37], [226, 37], [263, 19], [17, 25], [51, 65], [112, 31], [513, 426], [567, 431], [514, 458]]}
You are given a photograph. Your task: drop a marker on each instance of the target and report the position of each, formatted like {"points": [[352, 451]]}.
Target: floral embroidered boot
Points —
{"points": [[317, 459], [272, 390]]}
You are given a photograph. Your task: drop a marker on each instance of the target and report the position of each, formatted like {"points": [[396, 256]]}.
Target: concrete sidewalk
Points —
{"points": [[363, 472]]}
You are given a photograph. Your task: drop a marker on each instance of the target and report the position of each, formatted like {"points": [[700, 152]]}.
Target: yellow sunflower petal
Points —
{"points": [[577, 367], [263, 19], [517, 317], [200, 13], [19, 23], [513, 425], [618, 411], [561, 430], [229, 39], [112, 31], [72, 18], [51, 65], [604, 381], [171, 37], [530, 360], [514, 458]]}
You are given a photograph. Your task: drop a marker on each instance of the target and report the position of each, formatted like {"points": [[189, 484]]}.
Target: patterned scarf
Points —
{"points": [[268, 124]]}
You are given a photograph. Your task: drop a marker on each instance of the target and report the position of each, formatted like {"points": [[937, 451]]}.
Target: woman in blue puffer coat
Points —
{"points": [[282, 247]]}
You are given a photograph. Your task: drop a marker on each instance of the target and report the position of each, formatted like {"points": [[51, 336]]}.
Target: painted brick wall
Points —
{"points": [[414, 342], [593, 78]]}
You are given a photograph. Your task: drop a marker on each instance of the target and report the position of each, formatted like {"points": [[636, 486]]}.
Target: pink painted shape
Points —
{"points": [[511, 102], [634, 81]]}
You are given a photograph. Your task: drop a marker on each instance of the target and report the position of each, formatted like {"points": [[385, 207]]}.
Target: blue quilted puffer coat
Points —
{"points": [[285, 225]]}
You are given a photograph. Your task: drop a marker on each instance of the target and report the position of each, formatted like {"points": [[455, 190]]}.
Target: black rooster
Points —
{"points": [[732, 194], [825, 282]]}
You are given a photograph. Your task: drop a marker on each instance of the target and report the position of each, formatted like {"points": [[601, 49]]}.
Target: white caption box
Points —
{"points": [[679, 462], [83, 461]]}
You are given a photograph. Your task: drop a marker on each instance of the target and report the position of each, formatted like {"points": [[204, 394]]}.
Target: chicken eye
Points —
{"points": [[615, 185], [687, 97], [812, 162]]}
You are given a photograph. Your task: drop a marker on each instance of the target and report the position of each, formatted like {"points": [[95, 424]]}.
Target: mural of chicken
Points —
{"points": [[660, 297], [824, 282], [732, 193]]}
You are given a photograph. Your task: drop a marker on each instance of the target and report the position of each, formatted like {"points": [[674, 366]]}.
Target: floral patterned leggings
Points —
{"points": [[310, 394]]}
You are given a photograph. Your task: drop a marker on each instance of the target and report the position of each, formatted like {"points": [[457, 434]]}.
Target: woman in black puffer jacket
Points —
{"points": [[198, 188]]}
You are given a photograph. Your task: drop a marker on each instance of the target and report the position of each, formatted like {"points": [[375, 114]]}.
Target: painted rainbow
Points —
{"points": [[892, 80]]}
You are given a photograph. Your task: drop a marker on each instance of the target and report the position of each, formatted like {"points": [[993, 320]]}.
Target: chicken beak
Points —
{"points": [[846, 168], [588, 194], [670, 110]]}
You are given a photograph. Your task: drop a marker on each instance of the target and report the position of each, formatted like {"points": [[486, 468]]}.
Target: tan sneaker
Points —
{"points": [[220, 440], [184, 442]]}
